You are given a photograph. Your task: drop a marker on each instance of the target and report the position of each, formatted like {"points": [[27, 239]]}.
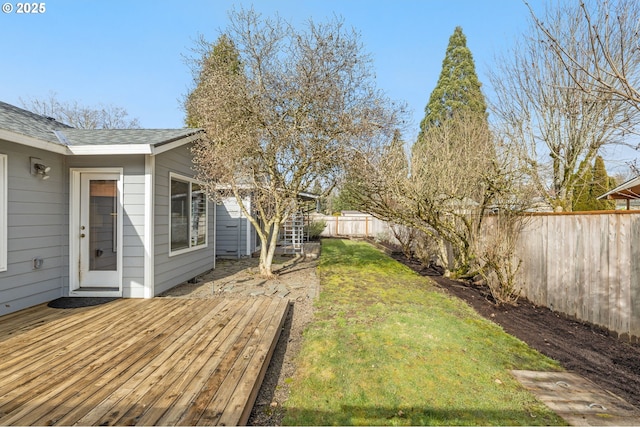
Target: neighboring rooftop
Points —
{"points": [[627, 191]]}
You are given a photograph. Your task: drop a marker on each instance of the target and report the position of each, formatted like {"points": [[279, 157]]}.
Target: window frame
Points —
{"points": [[192, 247], [4, 188]]}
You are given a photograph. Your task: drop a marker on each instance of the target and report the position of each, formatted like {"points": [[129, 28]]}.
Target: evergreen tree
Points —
{"points": [[594, 183], [582, 197], [344, 202], [458, 87], [222, 58], [601, 184]]}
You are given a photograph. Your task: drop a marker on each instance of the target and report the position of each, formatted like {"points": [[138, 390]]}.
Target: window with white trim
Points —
{"points": [[3, 212], [188, 222]]}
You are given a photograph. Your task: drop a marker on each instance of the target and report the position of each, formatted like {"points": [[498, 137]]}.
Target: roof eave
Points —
{"points": [[100, 150], [29, 141], [103, 150], [176, 142], [128, 149], [308, 196]]}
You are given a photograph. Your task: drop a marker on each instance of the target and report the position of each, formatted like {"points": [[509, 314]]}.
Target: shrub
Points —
{"points": [[501, 264], [315, 228]]}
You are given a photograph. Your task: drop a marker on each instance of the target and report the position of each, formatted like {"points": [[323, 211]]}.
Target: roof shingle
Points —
{"points": [[155, 137], [26, 123]]}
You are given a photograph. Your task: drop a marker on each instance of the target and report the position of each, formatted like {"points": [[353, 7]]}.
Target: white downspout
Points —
{"points": [[248, 205]]}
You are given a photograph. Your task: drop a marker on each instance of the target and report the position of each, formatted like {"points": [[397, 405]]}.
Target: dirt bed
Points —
{"points": [[581, 348]]}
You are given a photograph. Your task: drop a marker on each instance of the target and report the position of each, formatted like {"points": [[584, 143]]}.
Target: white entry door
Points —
{"points": [[98, 232]]}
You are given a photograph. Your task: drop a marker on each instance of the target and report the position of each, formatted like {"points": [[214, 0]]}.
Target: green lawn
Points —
{"points": [[388, 348]]}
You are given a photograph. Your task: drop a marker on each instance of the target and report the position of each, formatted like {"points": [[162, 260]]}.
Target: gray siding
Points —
{"points": [[254, 238], [133, 215], [173, 270], [37, 226], [231, 230]]}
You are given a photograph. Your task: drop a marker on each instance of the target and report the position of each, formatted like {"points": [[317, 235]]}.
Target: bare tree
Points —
{"points": [[540, 107], [290, 113], [406, 236], [458, 173], [464, 197], [81, 116], [610, 53], [452, 171]]}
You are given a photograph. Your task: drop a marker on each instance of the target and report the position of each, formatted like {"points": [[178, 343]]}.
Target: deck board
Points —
{"points": [[164, 361]]}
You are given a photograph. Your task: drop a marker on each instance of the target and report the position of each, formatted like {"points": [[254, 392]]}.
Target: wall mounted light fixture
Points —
{"points": [[39, 169]]}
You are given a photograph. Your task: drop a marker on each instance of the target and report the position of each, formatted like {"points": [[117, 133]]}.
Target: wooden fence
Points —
{"points": [[354, 226], [586, 266], [583, 265]]}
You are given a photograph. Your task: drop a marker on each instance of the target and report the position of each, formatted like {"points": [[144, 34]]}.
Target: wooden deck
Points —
{"points": [[163, 361]]}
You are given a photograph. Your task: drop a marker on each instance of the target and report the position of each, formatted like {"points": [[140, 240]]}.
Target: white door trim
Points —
{"points": [[74, 232], [149, 226]]}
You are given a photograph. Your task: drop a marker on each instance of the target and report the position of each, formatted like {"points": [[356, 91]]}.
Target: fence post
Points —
{"points": [[366, 226]]}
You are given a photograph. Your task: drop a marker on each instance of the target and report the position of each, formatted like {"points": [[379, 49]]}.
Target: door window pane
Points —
{"points": [[103, 208]]}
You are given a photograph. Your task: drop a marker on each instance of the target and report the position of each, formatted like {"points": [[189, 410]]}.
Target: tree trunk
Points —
{"points": [[267, 251], [443, 254]]}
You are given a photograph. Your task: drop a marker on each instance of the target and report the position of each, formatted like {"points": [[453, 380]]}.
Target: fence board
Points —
{"points": [[624, 264], [544, 265], [613, 272], [589, 267], [601, 306], [554, 261], [580, 267]]}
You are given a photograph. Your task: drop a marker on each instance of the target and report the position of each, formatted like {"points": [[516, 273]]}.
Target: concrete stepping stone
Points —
{"points": [[577, 400]]}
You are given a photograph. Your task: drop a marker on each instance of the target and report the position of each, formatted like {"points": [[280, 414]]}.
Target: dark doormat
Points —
{"points": [[78, 302]]}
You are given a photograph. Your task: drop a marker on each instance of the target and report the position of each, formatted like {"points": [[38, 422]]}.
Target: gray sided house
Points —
{"points": [[114, 213], [236, 237]]}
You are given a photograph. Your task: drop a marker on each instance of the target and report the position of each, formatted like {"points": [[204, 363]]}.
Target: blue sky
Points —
{"points": [[130, 53]]}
